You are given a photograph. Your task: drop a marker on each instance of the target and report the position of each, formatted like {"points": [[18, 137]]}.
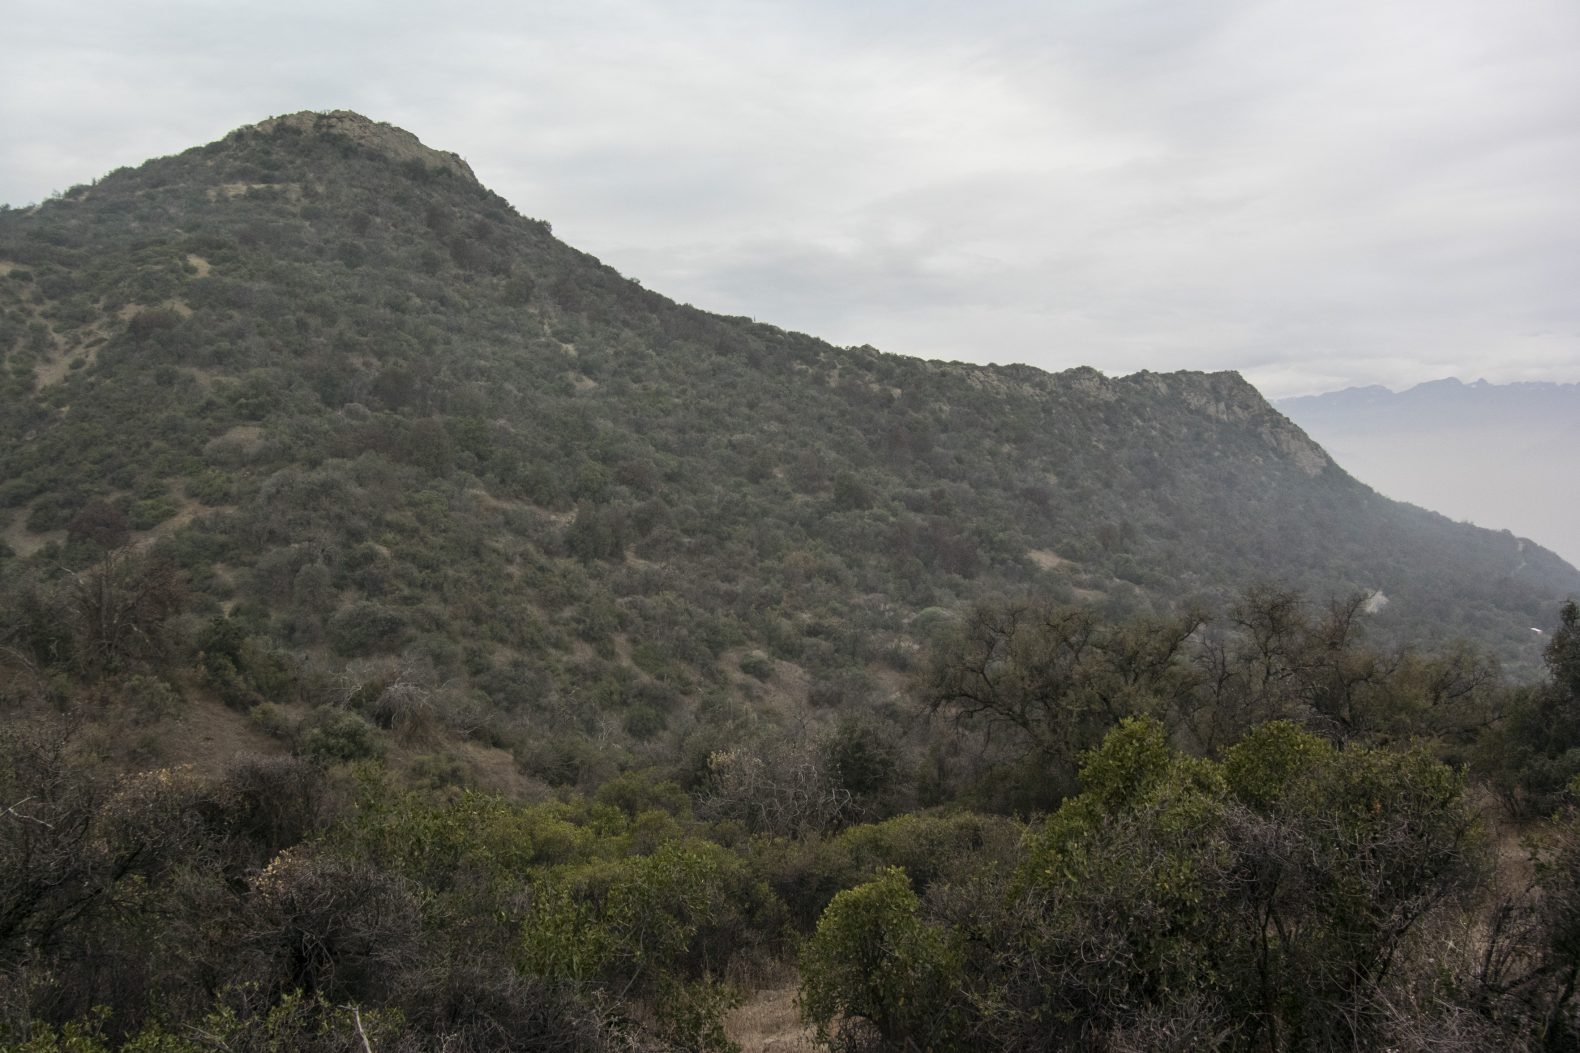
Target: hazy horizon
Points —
{"points": [[1476, 453]]}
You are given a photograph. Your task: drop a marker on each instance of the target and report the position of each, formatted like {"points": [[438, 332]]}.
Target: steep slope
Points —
{"points": [[1479, 451], [373, 413]]}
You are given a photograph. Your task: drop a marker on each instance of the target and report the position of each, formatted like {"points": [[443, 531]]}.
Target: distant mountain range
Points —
{"points": [[1493, 454]]}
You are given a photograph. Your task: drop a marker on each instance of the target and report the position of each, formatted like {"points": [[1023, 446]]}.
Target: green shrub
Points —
{"points": [[145, 515], [476, 838], [875, 959], [366, 628], [331, 734], [1277, 893], [645, 721], [757, 666], [211, 487], [152, 697], [678, 913]]}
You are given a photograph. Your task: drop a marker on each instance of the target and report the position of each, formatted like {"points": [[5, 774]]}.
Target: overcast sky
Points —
{"points": [[1317, 193]]}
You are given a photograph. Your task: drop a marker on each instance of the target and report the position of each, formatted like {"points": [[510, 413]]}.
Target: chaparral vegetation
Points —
{"points": [[415, 636]]}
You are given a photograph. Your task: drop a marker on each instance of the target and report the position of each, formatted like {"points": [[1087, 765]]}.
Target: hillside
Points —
{"points": [[1479, 452], [376, 416], [418, 637]]}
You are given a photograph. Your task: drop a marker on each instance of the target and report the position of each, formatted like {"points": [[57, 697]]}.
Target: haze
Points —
{"points": [[1478, 452]]}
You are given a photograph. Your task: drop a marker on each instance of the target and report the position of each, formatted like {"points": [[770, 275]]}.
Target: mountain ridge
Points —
{"points": [[1477, 451], [1446, 389], [377, 416]]}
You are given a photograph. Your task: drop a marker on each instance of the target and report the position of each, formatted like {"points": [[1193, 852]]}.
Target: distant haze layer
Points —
{"points": [[1492, 454]]}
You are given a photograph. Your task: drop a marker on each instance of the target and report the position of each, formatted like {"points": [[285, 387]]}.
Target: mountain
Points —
{"points": [[1479, 452], [381, 426], [417, 636]]}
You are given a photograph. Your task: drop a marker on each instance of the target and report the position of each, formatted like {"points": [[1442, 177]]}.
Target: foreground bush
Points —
{"points": [[1275, 900]]}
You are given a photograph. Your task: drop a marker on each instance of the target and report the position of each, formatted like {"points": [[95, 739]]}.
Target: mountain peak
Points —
{"points": [[310, 347], [395, 143]]}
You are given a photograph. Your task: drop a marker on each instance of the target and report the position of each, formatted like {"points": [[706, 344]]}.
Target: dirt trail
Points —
{"points": [[768, 1022]]}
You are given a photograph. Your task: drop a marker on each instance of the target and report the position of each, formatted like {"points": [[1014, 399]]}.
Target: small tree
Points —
{"points": [[1058, 677], [121, 607], [875, 960]]}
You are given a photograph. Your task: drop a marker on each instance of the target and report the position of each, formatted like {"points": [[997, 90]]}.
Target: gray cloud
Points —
{"points": [[1315, 193]]}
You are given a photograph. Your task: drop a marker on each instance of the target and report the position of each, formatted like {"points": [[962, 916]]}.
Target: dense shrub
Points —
{"points": [[332, 734], [1266, 902], [365, 628]]}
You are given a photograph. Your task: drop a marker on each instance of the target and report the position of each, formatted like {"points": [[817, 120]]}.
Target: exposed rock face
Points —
{"points": [[396, 143], [1226, 397]]}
